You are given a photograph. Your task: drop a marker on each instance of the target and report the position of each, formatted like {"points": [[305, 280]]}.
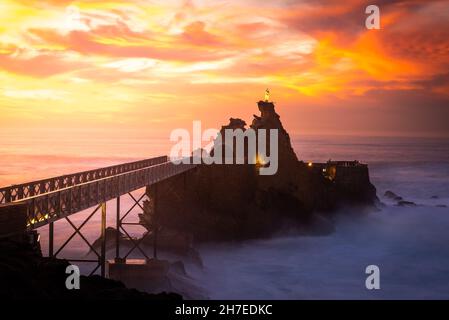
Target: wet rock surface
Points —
{"points": [[401, 202], [392, 196], [404, 203]]}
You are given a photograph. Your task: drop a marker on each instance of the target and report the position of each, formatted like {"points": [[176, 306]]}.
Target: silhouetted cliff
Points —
{"points": [[230, 202]]}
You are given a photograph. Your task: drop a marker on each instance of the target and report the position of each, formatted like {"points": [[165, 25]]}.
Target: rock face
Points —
{"points": [[233, 202]]}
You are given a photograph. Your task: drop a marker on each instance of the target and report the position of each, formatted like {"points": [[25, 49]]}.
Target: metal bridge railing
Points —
{"points": [[54, 205], [31, 189]]}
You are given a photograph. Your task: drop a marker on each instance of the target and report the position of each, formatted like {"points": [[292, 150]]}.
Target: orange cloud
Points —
{"points": [[349, 56], [119, 41], [196, 34], [140, 59], [42, 65]]}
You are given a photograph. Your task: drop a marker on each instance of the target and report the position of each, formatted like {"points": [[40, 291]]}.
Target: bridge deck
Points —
{"points": [[30, 189], [62, 196]]}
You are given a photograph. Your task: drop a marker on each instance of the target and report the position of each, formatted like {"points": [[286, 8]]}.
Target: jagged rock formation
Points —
{"points": [[232, 202], [269, 119]]}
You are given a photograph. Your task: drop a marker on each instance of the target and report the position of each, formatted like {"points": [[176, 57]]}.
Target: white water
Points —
{"points": [[410, 245]]}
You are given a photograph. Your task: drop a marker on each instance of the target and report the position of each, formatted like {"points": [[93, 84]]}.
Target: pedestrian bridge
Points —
{"points": [[45, 201], [51, 199]]}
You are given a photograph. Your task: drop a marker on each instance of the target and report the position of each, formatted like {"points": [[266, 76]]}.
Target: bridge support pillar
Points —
{"points": [[155, 221], [103, 240], [117, 227], [51, 239]]}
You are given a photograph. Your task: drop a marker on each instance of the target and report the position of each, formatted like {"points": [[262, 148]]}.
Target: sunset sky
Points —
{"points": [[153, 66]]}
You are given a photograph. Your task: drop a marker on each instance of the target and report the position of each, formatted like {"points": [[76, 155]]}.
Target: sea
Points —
{"points": [[409, 245]]}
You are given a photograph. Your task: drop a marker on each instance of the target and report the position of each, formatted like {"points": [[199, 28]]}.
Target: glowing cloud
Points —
{"points": [[138, 59]]}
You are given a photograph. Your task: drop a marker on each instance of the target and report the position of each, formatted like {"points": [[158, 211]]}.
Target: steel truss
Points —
{"points": [[120, 227], [101, 256]]}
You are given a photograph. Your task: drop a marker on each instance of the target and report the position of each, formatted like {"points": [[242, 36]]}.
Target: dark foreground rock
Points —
{"points": [[234, 202], [25, 274]]}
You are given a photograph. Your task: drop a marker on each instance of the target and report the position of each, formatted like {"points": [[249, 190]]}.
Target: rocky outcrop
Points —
{"points": [[403, 203], [392, 196], [400, 201], [232, 202]]}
